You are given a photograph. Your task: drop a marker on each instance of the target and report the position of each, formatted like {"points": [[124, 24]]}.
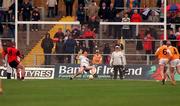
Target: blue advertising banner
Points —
{"points": [[134, 72]]}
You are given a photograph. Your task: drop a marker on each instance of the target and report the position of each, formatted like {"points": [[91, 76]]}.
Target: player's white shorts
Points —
{"points": [[175, 63], [163, 61]]}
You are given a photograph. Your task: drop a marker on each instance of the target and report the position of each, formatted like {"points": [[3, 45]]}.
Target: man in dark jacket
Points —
{"points": [[108, 2], [117, 28], [60, 50], [26, 12], [35, 17], [103, 12], [47, 46], [70, 45]]}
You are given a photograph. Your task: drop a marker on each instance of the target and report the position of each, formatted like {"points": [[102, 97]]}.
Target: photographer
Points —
{"points": [[118, 62]]}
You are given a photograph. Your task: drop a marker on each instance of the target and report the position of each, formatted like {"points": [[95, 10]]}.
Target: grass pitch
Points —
{"points": [[89, 93]]}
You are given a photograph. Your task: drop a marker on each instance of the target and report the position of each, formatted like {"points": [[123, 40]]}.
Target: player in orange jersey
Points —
{"points": [[12, 58], [163, 54], [174, 61]]}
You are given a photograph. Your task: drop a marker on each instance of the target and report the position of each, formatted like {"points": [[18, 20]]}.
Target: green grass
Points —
{"points": [[89, 93]]}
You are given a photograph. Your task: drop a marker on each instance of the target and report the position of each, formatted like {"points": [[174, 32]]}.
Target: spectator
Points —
{"points": [[81, 2], [178, 42], [69, 47], [47, 45], [81, 14], [126, 28], [56, 8], [5, 5], [139, 46], [20, 3], [26, 12], [172, 17], [51, 7], [93, 24], [78, 47], [11, 11], [133, 4], [103, 12], [11, 27], [178, 32], [1, 30], [153, 17], [92, 10], [136, 17], [148, 44], [112, 15], [159, 3], [119, 5], [60, 50], [172, 36], [107, 2], [117, 28], [118, 62], [76, 32], [97, 58], [59, 34], [67, 34], [69, 6], [83, 47], [35, 17], [106, 51], [88, 34]]}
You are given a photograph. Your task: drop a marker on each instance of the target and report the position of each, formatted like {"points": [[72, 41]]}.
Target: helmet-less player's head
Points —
{"points": [[168, 43], [85, 53], [164, 42]]}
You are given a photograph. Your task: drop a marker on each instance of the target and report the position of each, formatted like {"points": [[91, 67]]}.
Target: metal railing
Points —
{"points": [[130, 52], [147, 60]]}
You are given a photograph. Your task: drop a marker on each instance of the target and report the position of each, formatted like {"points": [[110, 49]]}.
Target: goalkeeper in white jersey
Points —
{"points": [[84, 65]]}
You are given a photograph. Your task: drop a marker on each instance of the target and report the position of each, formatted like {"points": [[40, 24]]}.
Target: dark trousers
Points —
{"points": [[60, 58], [51, 11], [149, 52], [26, 18], [47, 59], [118, 68], [69, 6], [35, 26], [117, 31], [69, 58], [126, 34], [111, 30], [56, 8]]}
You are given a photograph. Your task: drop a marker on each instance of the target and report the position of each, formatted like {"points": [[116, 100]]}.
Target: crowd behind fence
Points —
{"points": [[133, 56]]}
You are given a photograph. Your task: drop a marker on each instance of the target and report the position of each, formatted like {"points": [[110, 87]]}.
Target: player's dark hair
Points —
{"points": [[84, 51], [164, 42]]}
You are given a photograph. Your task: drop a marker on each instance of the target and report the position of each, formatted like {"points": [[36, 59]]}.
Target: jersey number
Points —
{"points": [[165, 51]]}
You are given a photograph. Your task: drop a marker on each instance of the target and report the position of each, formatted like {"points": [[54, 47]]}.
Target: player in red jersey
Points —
{"points": [[12, 58]]}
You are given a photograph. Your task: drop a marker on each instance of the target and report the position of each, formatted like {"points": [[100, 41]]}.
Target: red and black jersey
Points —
{"points": [[12, 54]]}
